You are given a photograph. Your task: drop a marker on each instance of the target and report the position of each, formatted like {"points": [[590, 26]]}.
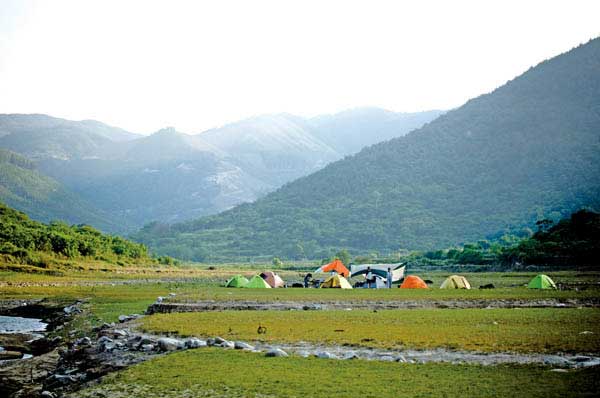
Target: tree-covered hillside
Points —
{"points": [[528, 150], [23, 187], [29, 242]]}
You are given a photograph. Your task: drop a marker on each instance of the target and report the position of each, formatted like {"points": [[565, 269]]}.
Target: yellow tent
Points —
{"points": [[337, 281], [456, 282]]}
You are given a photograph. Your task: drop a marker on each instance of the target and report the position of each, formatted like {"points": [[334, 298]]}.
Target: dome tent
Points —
{"points": [[456, 282], [257, 283], [413, 282], [335, 265], [272, 279], [541, 282], [237, 281], [336, 281]]}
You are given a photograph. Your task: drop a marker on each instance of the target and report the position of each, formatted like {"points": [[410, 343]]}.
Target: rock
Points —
{"points": [[169, 344], [194, 342], [104, 339], [172, 294], [304, 354], [276, 352], [581, 358], [400, 358], [72, 309], [587, 332], [159, 299], [240, 345], [219, 340], [106, 347], [147, 347], [123, 318], [226, 344], [47, 394], [83, 341], [351, 355], [4, 355], [326, 355], [147, 340], [119, 333], [559, 370], [388, 358]]}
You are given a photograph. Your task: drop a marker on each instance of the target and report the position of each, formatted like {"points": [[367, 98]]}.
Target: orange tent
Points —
{"points": [[413, 282], [337, 266]]}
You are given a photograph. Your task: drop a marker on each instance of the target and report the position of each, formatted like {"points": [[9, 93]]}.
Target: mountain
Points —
{"points": [[43, 198], [274, 148], [352, 130], [172, 177], [42, 136], [528, 150]]}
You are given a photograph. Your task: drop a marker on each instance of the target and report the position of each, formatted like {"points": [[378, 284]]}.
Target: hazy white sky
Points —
{"points": [[143, 65]]}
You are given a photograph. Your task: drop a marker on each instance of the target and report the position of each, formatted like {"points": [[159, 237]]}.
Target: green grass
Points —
{"points": [[223, 373], [521, 330]]}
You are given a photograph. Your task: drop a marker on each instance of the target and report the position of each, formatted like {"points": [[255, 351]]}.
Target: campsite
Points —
{"points": [[496, 339], [299, 199]]}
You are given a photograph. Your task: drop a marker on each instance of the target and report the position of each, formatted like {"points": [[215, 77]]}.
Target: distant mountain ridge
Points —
{"points": [[43, 198], [528, 150], [170, 176]]}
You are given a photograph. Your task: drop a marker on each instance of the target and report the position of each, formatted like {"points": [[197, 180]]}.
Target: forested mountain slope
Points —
{"points": [[170, 176], [43, 198], [528, 150]]}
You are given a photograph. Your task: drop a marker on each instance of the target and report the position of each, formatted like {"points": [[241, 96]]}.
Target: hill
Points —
{"points": [[41, 136], [27, 242], [528, 150], [170, 176], [23, 187]]}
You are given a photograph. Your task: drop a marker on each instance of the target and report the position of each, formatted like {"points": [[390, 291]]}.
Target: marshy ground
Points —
{"points": [[554, 330]]}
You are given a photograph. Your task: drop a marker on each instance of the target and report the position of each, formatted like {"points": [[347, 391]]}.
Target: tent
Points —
{"points": [[379, 270], [413, 282], [336, 281], [272, 279], [257, 283], [541, 282], [237, 281], [337, 266], [456, 282]]}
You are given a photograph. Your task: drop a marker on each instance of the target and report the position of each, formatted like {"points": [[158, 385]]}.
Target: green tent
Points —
{"points": [[237, 281], [257, 283], [541, 282]]}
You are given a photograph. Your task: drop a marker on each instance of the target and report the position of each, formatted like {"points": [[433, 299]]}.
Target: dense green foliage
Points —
{"points": [[43, 198], [525, 152], [23, 240], [575, 240]]}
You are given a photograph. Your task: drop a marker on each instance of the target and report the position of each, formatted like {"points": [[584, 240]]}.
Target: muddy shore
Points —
{"points": [[168, 306]]}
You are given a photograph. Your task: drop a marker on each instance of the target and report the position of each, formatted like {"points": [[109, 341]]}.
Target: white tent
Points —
{"points": [[379, 270]]}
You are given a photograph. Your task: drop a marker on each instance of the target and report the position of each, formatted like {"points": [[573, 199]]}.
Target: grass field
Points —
{"points": [[521, 330], [222, 373]]}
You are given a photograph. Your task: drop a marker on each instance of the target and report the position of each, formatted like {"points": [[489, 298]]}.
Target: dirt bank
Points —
{"points": [[212, 305]]}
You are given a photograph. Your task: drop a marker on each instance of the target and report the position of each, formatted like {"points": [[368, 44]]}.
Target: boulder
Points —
{"points": [[326, 355], [220, 340], [169, 344], [83, 341], [104, 339], [147, 347], [194, 342], [276, 352], [240, 345], [119, 333]]}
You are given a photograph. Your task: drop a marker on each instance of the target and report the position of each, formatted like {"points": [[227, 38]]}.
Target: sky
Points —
{"points": [[143, 65]]}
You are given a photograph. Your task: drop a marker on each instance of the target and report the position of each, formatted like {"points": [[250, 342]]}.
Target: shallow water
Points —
{"points": [[17, 324]]}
